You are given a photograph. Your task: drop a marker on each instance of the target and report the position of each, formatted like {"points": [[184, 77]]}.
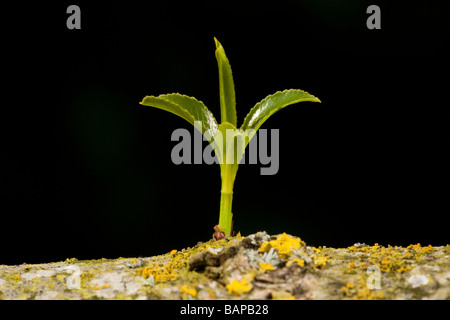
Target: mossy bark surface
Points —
{"points": [[255, 267]]}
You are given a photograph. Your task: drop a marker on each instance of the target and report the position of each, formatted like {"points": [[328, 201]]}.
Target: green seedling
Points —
{"points": [[228, 142]]}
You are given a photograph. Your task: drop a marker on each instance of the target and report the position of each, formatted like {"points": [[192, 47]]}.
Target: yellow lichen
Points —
{"points": [[346, 290], [351, 267], [188, 290], [106, 285], [393, 259], [419, 251], [240, 287], [71, 260], [317, 250], [282, 295], [284, 244], [298, 261], [320, 261], [265, 266], [367, 294], [402, 269], [160, 274], [87, 276], [176, 263], [360, 291]]}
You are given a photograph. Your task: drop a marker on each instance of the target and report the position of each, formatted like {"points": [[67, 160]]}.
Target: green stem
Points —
{"points": [[226, 216], [226, 200]]}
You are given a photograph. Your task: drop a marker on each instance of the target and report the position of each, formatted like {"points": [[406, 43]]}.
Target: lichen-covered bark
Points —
{"points": [[255, 267]]}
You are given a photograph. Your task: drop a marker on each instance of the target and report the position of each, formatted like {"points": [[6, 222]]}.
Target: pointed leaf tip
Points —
{"points": [[217, 43], [226, 86]]}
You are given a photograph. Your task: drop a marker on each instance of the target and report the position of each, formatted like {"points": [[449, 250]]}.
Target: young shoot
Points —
{"points": [[226, 139]]}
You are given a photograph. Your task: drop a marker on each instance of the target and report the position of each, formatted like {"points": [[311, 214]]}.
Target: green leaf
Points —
{"points": [[226, 84], [273, 103], [185, 107]]}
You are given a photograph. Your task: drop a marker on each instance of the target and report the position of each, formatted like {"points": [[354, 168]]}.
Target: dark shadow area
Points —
{"points": [[88, 171]]}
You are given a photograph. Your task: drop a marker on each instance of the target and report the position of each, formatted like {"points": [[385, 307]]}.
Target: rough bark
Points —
{"points": [[255, 267]]}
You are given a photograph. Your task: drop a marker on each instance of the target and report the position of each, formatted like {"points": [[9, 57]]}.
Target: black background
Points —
{"points": [[88, 172]]}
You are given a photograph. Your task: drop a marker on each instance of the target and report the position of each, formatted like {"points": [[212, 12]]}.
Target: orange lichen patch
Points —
{"points": [[346, 290], [419, 251], [263, 267], [284, 244], [71, 260], [188, 290], [298, 261], [373, 248], [160, 273], [106, 285], [367, 294], [164, 271], [392, 259], [360, 291], [16, 277], [240, 287], [175, 263], [389, 261], [351, 267], [402, 269]]}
